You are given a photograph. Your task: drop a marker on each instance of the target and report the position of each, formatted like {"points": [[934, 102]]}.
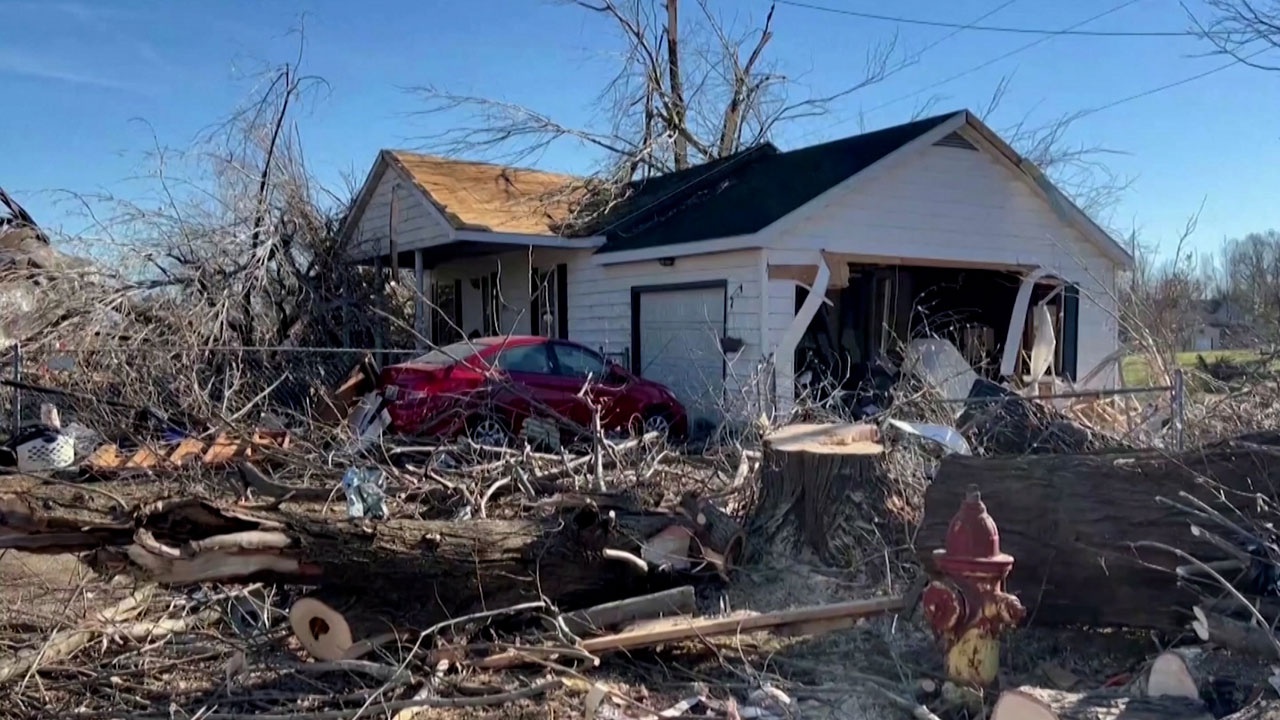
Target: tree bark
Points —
{"points": [[815, 480], [1069, 522], [1232, 634], [1027, 703], [576, 558]]}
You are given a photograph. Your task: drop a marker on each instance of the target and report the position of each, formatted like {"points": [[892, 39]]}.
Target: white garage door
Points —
{"points": [[680, 331]]}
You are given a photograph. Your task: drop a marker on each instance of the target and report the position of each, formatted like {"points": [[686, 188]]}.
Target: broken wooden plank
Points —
{"points": [[676, 601], [660, 632]]}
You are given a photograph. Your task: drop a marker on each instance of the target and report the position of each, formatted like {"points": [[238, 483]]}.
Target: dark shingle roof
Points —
{"points": [[745, 192]]}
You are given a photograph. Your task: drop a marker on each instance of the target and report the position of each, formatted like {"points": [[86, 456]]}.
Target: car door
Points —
{"points": [[530, 393], [582, 373]]}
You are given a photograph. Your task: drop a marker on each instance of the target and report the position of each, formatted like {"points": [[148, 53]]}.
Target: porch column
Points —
{"points": [[421, 307], [379, 289]]}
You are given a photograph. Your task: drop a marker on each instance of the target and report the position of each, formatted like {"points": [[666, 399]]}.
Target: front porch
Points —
{"points": [[469, 290]]}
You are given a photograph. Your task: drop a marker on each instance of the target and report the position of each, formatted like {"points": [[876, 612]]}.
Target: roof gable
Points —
{"points": [[484, 196], [476, 195], [745, 192]]}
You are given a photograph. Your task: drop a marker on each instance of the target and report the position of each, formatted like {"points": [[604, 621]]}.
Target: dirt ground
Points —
{"points": [[43, 593], [44, 589]]}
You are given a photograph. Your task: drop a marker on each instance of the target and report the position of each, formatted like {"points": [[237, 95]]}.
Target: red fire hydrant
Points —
{"points": [[967, 606]]}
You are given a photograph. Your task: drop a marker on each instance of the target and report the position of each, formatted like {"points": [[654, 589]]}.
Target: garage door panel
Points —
{"points": [[679, 343]]}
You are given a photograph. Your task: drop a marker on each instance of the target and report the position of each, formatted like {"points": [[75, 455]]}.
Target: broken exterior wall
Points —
{"points": [[956, 205]]}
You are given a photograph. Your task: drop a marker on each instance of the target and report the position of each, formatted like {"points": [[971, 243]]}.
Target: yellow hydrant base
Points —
{"points": [[974, 659]]}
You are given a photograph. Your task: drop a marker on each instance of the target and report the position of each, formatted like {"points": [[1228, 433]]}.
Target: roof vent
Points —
{"points": [[955, 140]]}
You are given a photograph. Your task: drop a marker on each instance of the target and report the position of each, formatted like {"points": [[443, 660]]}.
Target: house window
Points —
{"points": [[446, 321], [1064, 313], [548, 301]]}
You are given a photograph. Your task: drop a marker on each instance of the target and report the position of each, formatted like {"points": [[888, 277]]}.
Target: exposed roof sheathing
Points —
{"points": [[483, 196]]}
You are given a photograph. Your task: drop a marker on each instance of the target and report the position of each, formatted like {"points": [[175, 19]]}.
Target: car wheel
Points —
{"points": [[658, 421], [488, 431]]}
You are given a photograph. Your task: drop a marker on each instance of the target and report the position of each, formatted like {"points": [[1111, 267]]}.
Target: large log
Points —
{"points": [[421, 570], [1069, 521]]}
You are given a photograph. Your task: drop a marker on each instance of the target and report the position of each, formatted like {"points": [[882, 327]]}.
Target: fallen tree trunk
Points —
{"points": [[1069, 522], [576, 558]]}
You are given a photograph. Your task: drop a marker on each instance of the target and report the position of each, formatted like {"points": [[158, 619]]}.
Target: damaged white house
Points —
{"points": [[726, 280]]}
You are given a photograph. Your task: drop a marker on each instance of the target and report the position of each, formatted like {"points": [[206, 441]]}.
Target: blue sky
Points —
{"points": [[86, 84]]}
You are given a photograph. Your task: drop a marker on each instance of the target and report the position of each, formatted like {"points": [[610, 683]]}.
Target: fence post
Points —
{"points": [[1179, 407], [17, 393]]}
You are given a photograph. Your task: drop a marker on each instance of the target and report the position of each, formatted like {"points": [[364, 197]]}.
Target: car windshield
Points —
{"points": [[448, 354]]}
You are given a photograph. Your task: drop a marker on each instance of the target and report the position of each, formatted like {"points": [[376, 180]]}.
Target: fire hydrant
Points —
{"points": [[967, 606]]}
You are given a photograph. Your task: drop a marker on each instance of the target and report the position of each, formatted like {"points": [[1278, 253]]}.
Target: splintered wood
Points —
{"points": [[223, 450], [800, 621], [1119, 415], [1169, 690]]}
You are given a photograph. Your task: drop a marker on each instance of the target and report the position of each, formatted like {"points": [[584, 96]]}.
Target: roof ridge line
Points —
{"points": [[440, 158]]}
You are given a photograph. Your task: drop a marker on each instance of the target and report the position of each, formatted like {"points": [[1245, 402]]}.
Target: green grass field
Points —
{"points": [[1137, 373]]}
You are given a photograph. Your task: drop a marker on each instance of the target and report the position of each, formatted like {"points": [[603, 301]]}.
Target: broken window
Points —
{"points": [[1063, 303]]}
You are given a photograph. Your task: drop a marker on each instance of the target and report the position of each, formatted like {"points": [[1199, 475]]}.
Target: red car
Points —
{"points": [[499, 388]]}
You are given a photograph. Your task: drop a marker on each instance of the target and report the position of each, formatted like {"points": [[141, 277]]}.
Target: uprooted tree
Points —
{"points": [[237, 248]]}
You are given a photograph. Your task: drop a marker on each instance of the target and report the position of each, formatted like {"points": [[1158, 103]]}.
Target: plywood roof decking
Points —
{"points": [[482, 196]]}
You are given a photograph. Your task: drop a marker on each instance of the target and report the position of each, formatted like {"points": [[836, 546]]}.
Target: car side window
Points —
{"points": [[574, 361], [525, 359]]}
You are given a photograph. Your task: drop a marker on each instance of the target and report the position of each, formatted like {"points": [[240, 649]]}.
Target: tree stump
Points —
{"points": [[816, 482]]}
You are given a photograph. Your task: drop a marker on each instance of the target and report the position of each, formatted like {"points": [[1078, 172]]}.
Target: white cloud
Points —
{"points": [[16, 62]]}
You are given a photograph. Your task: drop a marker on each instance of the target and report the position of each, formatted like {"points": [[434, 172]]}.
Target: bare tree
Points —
{"points": [[690, 88], [238, 264], [1244, 29], [1160, 301]]}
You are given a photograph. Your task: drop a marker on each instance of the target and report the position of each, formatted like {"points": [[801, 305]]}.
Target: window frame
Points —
{"points": [[552, 362], [559, 366]]}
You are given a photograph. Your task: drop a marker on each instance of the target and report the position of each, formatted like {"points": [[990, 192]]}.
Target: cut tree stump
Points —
{"points": [[416, 571], [814, 480], [1028, 703], [1069, 522]]}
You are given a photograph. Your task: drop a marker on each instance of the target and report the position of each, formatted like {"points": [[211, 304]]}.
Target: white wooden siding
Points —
{"points": [[600, 308], [420, 224], [959, 205]]}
